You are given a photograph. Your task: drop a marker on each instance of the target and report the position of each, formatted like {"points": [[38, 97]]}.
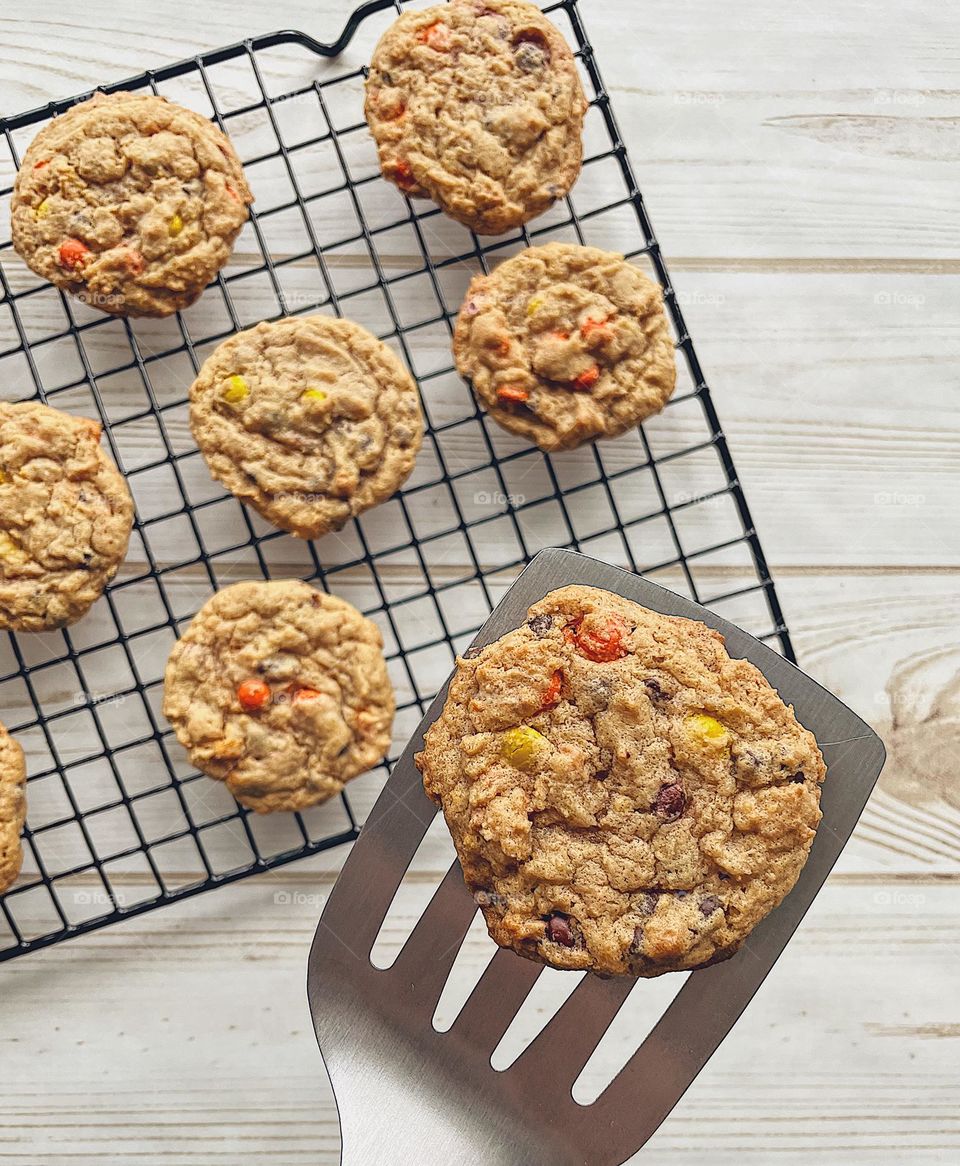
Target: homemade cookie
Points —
{"points": [[477, 104], [13, 807], [624, 797], [130, 202], [310, 420], [565, 344], [281, 691], [65, 517]]}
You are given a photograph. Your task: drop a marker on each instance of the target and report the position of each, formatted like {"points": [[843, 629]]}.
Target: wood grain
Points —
{"points": [[800, 166]]}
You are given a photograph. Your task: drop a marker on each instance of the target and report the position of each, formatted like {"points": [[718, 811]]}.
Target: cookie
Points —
{"points": [[65, 517], [477, 104], [130, 202], [565, 344], [311, 420], [281, 691], [13, 807], [624, 797]]}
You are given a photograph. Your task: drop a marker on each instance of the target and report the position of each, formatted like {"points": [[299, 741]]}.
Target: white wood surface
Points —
{"points": [[800, 165]]}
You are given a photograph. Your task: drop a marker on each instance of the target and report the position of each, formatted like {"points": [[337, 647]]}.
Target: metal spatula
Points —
{"points": [[411, 1096]]}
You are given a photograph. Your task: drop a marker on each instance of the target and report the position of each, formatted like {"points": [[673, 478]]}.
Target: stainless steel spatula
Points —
{"points": [[411, 1096]]}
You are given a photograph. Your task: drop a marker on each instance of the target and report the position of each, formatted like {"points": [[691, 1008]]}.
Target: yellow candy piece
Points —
{"points": [[175, 226], [313, 395], [10, 550], [43, 209], [237, 390], [3, 478], [706, 726], [520, 746], [534, 305]]}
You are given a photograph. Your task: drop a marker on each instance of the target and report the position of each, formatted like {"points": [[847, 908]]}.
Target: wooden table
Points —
{"points": [[800, 164]]}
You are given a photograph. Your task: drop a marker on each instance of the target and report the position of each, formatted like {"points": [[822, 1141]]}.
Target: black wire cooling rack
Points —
{"points": [[117, 823]]}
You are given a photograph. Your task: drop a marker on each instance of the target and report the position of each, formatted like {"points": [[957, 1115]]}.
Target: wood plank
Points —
{"points": [[185, 1038], [888, 651], [836, 383], [833, 150]]}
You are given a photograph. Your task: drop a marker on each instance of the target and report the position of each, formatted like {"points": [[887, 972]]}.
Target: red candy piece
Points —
{"points": [[586, 380], [513, 394], [73, 253], [602, 645], [253, 695]]}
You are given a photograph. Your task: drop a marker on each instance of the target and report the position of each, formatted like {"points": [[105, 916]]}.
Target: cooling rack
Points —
{"points": [[118, 824]]}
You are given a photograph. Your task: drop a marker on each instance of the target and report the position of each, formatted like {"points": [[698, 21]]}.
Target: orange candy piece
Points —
{"points": [[602, 645], [305, 694], [587, 379], [73, 252], [436, 35], [590, 325], [402, 175], [253, 695], [552, 695], [512, 393]]}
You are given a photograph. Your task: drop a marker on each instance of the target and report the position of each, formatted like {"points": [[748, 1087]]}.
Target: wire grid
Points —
{"points": [[115, 814]]}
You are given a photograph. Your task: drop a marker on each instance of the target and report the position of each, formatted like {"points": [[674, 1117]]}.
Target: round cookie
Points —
{"points": [[565, 344], [65, 517], [477, 104], [624, 797], [311, 420], [281, 691], [13, 807], [130, 202]]}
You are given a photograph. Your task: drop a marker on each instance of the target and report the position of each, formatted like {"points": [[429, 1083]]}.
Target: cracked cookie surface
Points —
{"points": [[311, 420], [477, 104], [130, 202], [65, 517], [565, 344], [280, 691], [624, 797], [13, 807]]}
